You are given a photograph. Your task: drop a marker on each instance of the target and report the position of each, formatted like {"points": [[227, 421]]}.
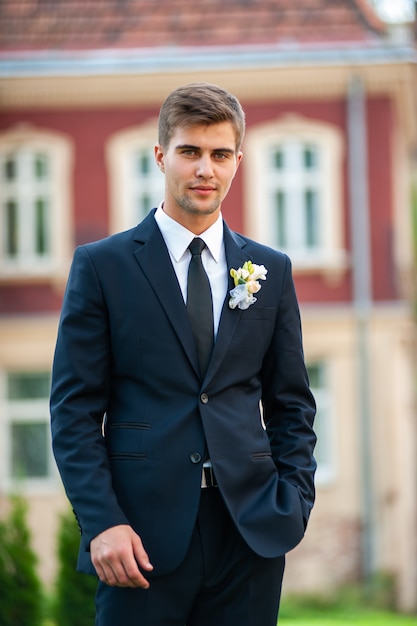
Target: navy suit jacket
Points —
{"points": [[131, 415]]}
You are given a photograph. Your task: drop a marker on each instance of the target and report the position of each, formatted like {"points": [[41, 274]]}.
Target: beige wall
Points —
{"points": [[27, 343], [331, 552]]}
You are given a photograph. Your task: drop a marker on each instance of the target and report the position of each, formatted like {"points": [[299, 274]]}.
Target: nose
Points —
{"points": [[204, 167]]}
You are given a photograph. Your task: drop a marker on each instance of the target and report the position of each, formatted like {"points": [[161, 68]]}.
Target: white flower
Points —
{"points": [[246, 281]]}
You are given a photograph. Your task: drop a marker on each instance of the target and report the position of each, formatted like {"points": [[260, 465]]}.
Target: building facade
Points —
{"points": [[326, 176]]}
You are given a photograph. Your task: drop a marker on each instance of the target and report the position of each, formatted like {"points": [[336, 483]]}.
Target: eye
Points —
{"points": [[189, 152], [221, 156]]}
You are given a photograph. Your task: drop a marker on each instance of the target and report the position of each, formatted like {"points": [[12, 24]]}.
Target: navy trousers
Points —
{"points": [[221, 582]]}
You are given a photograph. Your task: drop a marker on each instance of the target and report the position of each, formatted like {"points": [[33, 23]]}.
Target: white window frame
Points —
{"points": [[23, 411], [261, 140], [125, 186], [25, 141]]}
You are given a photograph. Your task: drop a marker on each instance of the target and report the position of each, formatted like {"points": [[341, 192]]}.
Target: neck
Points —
{"points": [[195, 223]]}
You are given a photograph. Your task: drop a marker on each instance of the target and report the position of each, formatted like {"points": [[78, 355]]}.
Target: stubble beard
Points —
{"points": [[193, 208]]}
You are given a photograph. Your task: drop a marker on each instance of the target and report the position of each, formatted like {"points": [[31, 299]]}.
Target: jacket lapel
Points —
{"points": [[153, 257], [229, 320]]}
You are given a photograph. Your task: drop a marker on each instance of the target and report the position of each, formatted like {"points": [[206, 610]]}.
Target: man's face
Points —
{"points": [[199, 164]]}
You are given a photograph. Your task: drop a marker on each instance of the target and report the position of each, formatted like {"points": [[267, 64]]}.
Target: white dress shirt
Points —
{"points": [[177, 239]]}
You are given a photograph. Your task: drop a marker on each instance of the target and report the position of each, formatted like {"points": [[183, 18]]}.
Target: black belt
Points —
{"points": [[208, 478]]}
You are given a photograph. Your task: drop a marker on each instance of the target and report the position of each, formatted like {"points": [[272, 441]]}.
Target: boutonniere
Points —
{"points": [[247, 283]]}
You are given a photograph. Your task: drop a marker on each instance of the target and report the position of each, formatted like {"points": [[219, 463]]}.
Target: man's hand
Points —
{"points": [[117, 553]]}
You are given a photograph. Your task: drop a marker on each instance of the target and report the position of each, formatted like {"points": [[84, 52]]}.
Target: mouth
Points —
{"points": [[203, 190]]}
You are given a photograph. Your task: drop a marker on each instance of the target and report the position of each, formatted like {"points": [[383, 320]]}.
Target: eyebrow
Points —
{"points": [[187, 146]]}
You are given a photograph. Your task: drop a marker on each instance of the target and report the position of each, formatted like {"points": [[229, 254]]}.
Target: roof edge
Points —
{"points": [[143, 60], [371, 16]]}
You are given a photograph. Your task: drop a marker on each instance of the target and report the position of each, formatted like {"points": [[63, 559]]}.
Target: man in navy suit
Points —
{"points": [[181, 411]]}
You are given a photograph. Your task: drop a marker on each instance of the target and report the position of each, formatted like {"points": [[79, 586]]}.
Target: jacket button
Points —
{"points": [[204, 398], [195, 457]]}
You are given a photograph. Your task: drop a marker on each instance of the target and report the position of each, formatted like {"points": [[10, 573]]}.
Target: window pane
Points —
{"points": [[322, 451], [278, 159], [41, 215], [146, 187], [310, 157], [281, 219], [29, 450], [315, 374], [322, 423], [11, 228], [146, 204], [311, 217], [144, 163], [41, 166], [10, 169], [28, 385]]}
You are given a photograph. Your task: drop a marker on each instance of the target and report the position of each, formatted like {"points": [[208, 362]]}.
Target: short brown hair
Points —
{"points": [[199, 103]]}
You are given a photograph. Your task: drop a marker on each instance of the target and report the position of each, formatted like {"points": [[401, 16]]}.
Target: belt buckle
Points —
{"points": [[208, 479]]}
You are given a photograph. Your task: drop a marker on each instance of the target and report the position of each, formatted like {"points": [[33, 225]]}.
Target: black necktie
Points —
{"points": [[200, 304]]}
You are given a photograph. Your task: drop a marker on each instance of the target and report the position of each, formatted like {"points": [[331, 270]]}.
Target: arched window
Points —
{"points": [[293, 174], [136, 183], [35, 205]]}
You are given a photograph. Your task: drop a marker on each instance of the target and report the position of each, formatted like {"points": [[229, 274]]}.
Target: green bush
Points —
{"points": [[21, 597], [74, 599]]}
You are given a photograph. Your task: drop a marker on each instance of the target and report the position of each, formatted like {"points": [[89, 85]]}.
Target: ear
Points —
{"points": [[159, 157]]}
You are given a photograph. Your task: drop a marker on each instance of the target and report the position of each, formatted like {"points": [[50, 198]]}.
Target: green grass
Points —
{"points": [[318, 612], [371, 618], [368, 619], [370, 604]]}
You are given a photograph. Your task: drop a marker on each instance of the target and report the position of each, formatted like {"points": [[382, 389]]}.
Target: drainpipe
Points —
{"points": [[362, 302]]}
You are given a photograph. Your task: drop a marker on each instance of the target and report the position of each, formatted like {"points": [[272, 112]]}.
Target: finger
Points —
{"points": [[121, 570], [132, 576], [141, 555], [117, 554], [106, 572]]}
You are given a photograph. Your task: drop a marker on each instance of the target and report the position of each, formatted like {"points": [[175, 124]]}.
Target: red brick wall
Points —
{"points": [[90, 130]]}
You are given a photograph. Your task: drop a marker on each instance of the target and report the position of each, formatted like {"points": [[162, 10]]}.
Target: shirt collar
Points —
{"points": [[178, 238]]}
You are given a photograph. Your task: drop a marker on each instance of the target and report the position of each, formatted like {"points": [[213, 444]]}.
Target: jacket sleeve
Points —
{"points": [[288, 405], [79, 396]]}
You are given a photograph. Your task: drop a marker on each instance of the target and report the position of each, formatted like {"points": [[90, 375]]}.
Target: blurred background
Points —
{"points": [[329, 176]]}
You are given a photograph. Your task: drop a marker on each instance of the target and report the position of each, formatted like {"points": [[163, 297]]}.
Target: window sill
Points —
{"points": [[34, 274], [332, 266]]}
